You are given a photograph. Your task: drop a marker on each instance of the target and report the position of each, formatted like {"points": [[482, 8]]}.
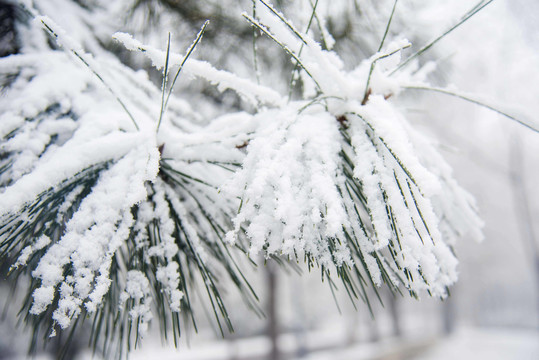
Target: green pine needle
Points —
{"points": [[473, 101], [478, 7]]}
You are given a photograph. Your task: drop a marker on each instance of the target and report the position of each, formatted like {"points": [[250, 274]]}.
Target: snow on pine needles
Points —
{"points": [[337, 178], [114, 216]]}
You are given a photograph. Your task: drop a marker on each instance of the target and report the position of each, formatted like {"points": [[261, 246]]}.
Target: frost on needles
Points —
{"points": [[114, 218]]}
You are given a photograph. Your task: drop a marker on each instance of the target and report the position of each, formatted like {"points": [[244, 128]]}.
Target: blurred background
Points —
{"points": [[493, 311]]}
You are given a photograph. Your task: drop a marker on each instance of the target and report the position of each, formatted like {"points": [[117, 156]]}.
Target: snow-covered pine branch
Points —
{"points": [[114, 221], [345, 181]]}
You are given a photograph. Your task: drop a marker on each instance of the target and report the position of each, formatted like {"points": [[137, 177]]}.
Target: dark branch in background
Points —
{"points": [[195, 12], [9, 43]]}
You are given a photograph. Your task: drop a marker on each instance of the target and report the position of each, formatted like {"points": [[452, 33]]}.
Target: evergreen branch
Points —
{"points": [[362, 211]]}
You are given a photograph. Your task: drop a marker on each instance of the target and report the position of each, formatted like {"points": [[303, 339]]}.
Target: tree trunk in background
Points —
{"points": [[394, 312], [271, 310], [522, 209], [352, 325], [300, 319], [448, 315]]}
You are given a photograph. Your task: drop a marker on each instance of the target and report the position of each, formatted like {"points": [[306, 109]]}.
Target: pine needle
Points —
{"points": [[292, 78], [81, 58], [164, 102], [163, 85], [283, 46], [387, 26], [319, 23], [255, 57], [285, 21], [393, 154], [478, 7], [189, 52], [473, 101]]}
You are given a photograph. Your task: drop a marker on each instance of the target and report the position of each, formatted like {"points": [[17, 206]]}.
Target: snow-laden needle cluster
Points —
{"points": [[114, 218], [341, 178]]}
